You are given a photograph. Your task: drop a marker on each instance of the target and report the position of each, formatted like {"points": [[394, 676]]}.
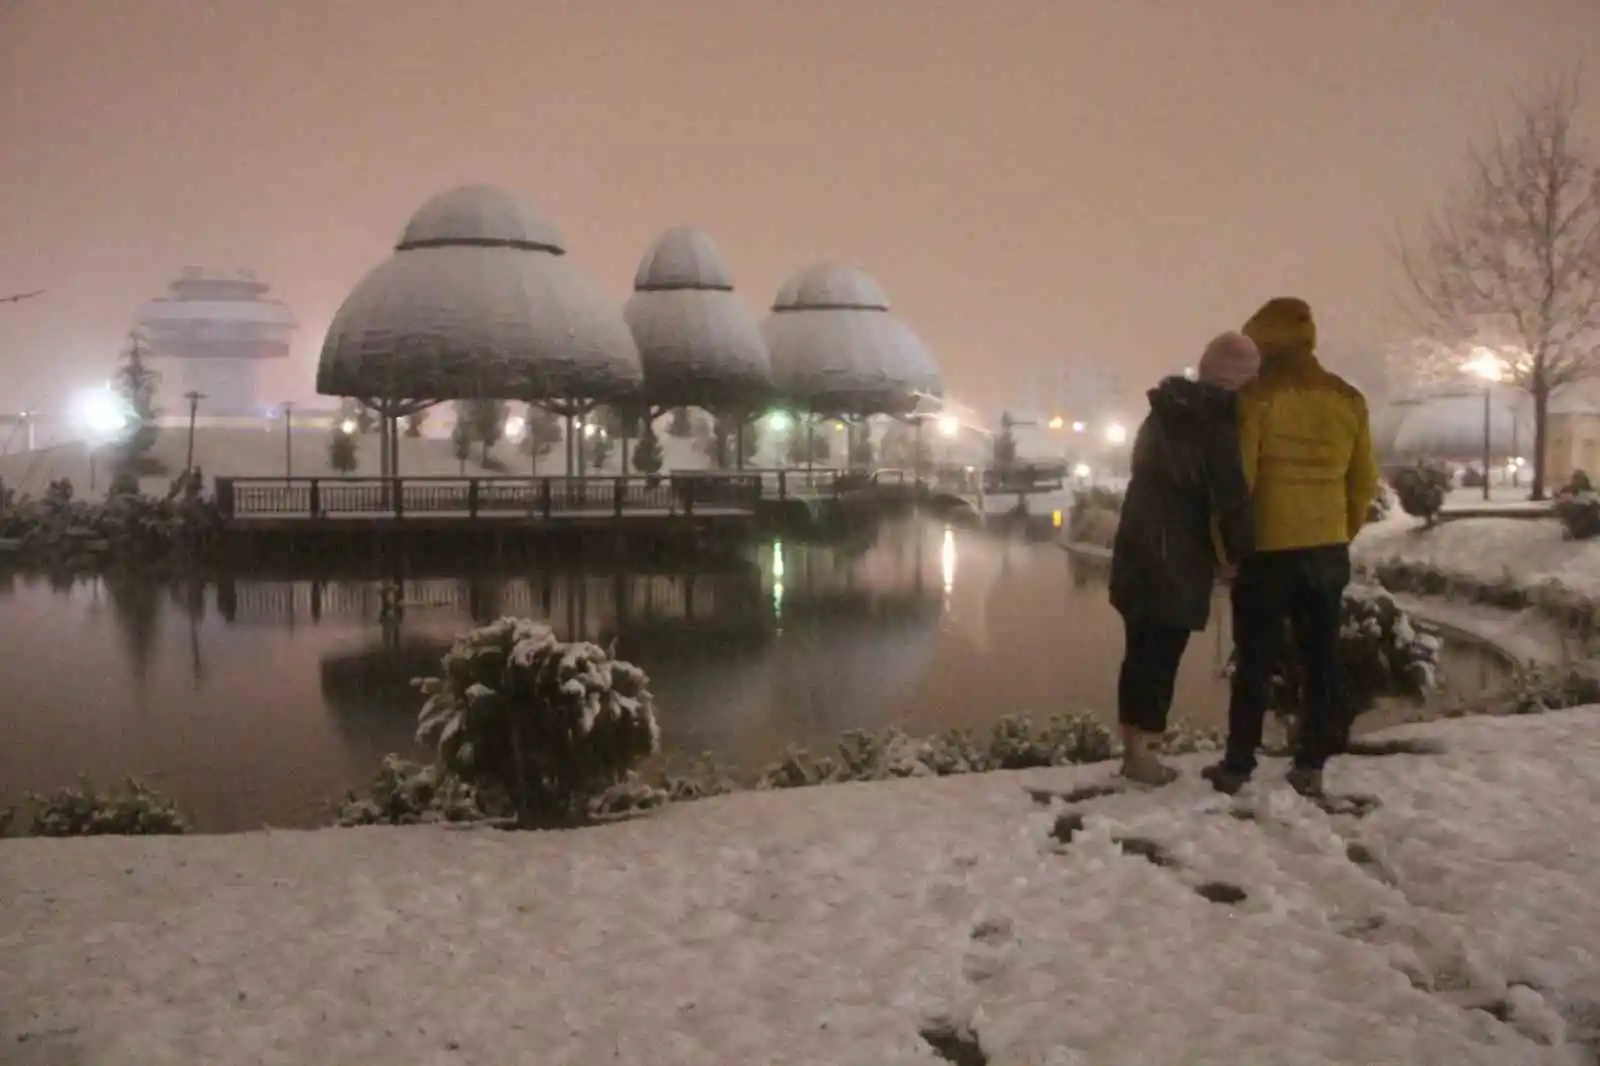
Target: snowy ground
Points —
{"points": [[1528, 550], [830, 925]]}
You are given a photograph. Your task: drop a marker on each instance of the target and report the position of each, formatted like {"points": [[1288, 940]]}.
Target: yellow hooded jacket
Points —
{"points": [[1305, 437]]}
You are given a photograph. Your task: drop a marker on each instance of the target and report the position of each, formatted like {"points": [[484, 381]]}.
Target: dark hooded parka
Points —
{"points": [[1186, 493]]}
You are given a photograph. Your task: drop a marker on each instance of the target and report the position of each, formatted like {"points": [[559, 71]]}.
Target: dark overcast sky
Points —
{"points": [[1030, 180]]}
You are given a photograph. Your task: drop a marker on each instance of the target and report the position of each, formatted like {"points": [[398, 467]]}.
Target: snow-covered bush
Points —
{"points": [[1579, 514], [1014, 743], [1421, 490], [134, 809], [126, 529], [1536, 690], [1383, 504], [551, 724], [409, 793], [1094, 517]]}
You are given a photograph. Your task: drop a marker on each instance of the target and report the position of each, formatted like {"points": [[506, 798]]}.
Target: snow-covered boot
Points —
{"points": [[1224, 778], [1141, 762], [1306, 782]]}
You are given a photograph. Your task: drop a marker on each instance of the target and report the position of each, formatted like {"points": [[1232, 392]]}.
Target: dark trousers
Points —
{"points": [[1152, 652], [1289, 602]]}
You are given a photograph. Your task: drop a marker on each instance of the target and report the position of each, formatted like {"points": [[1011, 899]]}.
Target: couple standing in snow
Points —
{"points": [[1259, 472]]}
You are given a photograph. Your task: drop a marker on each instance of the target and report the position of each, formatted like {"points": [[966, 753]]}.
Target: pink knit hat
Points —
{"points": [[1230, 360]]}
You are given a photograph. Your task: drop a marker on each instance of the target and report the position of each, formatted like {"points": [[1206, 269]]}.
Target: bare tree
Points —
{"points": [[1512, 265]]}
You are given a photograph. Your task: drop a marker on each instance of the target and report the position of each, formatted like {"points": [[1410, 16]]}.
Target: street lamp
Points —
{"points": [[949, 425], [349, 426], [515, 427], [1116, 434], [103, 416], [1486, 366], [194, 399], [1078, 427], [1056, 423]]}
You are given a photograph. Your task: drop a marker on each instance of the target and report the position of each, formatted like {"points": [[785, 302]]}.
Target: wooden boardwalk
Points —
{"points": [[258, 503]]}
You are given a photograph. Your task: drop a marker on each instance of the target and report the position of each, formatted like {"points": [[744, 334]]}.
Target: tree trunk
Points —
{"points": [[1541, 424]]}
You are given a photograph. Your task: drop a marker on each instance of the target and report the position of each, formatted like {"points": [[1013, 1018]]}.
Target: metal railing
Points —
{"points": [[483, 497]]}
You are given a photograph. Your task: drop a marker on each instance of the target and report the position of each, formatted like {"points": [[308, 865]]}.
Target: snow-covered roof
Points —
{"points": [[698, 344], [477, 300], [479, 214], [835, 347], [682, 258], [830, 286], [1451, 427]]}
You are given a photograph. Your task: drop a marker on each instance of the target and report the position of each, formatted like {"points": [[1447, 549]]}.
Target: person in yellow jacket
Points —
{"points": [[1306, 442]]}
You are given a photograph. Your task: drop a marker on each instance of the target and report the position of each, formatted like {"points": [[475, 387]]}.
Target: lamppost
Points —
{"points": [[194, 399], [1485, 365], [103, 415], [288, 447]]}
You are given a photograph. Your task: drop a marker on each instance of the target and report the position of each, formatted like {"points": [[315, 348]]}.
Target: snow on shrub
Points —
{"points": [[549, 724], [1579, 513], [410, 793], [1383, 502], [1421, 490], [133, 809], [1094, 516]]}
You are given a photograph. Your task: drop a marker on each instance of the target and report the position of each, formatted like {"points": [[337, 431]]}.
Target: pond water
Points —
{"points": [[255, 701]]}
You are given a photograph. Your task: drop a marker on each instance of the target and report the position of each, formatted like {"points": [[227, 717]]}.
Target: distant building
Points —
{"points": [[212, 334]]}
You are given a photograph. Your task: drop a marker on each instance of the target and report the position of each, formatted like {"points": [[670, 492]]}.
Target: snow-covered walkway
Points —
{"points": [[830, 925]]}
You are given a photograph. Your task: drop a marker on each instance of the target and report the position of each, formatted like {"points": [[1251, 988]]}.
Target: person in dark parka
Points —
{"points": [[1186, 512]]}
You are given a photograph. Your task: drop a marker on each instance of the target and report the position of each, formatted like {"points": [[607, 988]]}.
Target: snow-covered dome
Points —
{"points": [[828, 287], [1451, 426], [836, 348], [478, 300], [682, 258], [697, 343], [479, 214]]}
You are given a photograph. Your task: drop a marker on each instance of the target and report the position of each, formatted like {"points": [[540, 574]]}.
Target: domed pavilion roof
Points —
{"points": [[478, 299], [836, 348], [1450, 426], [698, 344]]}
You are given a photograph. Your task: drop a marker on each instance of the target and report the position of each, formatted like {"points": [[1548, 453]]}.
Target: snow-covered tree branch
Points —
{"points": [[1509, 270]]}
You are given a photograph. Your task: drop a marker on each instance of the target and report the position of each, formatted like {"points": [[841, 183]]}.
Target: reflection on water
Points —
{"points": [[255, 701]]}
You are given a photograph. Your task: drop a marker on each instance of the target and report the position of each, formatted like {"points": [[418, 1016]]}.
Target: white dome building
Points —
{"points": [[836, 349], [1450, 427], [697, 343], [478, 300]]}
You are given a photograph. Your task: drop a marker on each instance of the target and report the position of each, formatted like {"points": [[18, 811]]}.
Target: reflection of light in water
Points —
{"points": [[947, 559], [777, 561]]}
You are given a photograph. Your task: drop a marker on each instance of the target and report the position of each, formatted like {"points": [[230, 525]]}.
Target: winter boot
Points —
{"points": [[1306, 782], [1224, 778], [1140, 762]]}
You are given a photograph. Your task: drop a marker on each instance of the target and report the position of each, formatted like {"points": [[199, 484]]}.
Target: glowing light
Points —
{"points": [[102, 413], [779, 421], [838, 427], [1190, 373], [516, 426], [1082, 472], [1057, 422], [588, 429], [1485, 364], [348, 426], [1055, 519], [1116, 433], [1078, 427], [949, 425], [947, 558], [777, 560]]}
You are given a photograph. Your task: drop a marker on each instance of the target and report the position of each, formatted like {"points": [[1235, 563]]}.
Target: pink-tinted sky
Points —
{"points": [[1030, 180]]}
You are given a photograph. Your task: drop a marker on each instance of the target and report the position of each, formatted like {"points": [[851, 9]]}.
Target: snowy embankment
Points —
{"points": [[1525, 551], [1544, 584], [1456, 923]]}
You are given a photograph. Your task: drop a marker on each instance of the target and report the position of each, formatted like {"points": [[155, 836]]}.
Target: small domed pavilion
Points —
{"points": [[478, 300], [837, 351], [698, 344]]}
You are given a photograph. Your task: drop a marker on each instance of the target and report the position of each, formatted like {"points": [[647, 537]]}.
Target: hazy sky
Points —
{"points": [[1030, 180]]}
